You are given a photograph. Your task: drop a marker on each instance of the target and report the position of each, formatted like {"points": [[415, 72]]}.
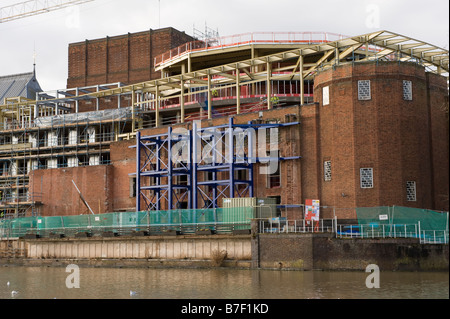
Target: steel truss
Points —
{"points": [[169, 165]]}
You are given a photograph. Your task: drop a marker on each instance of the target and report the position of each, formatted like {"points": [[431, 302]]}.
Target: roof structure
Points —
{"points": [[375, 46], [300, 64], [22, 85]]}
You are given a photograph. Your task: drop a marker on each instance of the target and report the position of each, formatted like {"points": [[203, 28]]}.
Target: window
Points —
{"points": [[182, 180], [326, 95], [364, 90], [366, 177], [411, 191], [241, 174], [407, 90], [132, 186], [272, 134], [274, 180], [327, 171]]}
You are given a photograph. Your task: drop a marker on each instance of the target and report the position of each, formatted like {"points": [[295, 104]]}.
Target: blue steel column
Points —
{"points": [[158, 177], [214, 172], [138, 171], [189, 173], [169, 168], [194, 164], [250, 158], [231, 156]]}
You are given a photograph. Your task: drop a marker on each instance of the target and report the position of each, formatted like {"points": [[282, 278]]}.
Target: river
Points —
{"points": [[220, 283]]}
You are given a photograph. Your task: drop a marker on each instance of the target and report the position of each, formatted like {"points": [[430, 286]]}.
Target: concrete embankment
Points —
{"points": [[267, 251], [145, 251]]}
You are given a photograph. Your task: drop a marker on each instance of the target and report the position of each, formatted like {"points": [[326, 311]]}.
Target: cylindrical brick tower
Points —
{"points": [[383, 136]]}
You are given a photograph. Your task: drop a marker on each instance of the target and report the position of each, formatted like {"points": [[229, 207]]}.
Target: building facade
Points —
{"points": [[354, 128]]}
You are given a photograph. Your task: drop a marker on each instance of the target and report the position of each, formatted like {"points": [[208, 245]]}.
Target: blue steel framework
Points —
{"points": [[163, 157]]}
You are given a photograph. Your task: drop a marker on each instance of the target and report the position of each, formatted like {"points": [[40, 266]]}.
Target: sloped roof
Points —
{"points": [[24, 85]]}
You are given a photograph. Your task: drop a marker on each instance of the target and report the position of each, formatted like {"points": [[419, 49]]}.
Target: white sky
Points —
{"points": [[50, 34]]}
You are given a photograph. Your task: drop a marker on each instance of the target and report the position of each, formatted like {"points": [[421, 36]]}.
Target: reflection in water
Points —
{"points": [[113, 283]]}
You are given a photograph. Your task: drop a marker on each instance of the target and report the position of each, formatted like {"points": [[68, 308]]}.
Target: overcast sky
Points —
{"points": [[50, 34]]}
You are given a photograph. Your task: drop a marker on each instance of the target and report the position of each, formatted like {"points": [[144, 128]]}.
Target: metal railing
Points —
{"points": [[378, 231], [249, 38], [434, 237], [280, 225]]}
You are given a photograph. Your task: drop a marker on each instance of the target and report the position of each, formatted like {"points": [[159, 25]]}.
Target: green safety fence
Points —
{"points": [[412, 222], [397, 215], [239, 217]]}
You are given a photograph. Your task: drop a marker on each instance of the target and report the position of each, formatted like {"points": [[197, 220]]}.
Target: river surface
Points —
{"points": [[117, 283]]}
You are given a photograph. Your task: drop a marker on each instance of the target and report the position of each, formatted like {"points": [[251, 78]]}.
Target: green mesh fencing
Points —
{"points": [[397, 221], [129, 221], [397, 215]]}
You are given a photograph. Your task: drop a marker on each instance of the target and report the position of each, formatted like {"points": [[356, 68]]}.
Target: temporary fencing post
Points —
{"points": [[335, 222], [420, 237]]}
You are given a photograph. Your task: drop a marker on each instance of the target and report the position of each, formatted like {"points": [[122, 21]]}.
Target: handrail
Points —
{"points": [[249, 38]]}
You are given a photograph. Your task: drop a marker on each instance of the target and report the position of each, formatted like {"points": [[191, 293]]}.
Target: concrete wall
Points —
{"points": [[266, 251], [12, 248], [155, 247]]}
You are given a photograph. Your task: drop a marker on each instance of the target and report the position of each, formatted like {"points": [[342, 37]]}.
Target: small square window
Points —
{"points": [[366, 177], [411, 191], [407, 90], [327, 171], [364, 90]]}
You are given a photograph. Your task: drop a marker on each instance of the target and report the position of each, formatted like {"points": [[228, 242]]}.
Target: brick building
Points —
{"points": [[125, 58], [357, 128]]}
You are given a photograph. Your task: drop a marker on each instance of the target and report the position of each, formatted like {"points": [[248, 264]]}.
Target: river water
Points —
{"points": [[117, 283]]}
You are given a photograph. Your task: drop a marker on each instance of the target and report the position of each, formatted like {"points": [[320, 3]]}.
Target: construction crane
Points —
{"points": [[34, 7]]}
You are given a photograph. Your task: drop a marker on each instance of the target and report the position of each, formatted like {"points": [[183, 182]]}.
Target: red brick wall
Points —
{"points": [[60, 197], [106, 188], [439, 134], [126, 58], [123, 160]]}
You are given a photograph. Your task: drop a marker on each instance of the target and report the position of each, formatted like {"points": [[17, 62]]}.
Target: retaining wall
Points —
{"points": [[325, 252], [148, 247], [268, 251]]}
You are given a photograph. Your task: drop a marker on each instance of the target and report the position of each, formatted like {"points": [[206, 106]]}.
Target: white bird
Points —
{"points": [[7, 283], [14, 292], [132, 293]]}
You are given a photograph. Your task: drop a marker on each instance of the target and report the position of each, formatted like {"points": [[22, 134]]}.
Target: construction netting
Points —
{"points": [[187, 220], [103, 115], [397, 221], [397, 215]]}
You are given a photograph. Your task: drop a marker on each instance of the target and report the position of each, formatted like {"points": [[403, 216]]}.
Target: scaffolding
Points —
{"points": [[48, 133], [197, 168]]}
